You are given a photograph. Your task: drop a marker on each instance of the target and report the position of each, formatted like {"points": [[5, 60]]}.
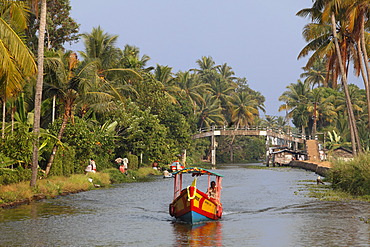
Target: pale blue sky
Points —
{"points": [[260, 40]]}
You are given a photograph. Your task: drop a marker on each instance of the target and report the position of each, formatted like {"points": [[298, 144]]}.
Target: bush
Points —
{"points": [[64, 162], [10, 176], [117, 177], [133, 162], [353, 176]]}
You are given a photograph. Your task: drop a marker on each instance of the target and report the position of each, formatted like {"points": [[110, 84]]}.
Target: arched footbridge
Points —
{"points": [[273, 136]]}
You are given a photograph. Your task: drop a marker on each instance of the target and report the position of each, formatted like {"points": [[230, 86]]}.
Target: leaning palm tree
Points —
{"points": [[331, 10], [357, 14], [342, 47]]}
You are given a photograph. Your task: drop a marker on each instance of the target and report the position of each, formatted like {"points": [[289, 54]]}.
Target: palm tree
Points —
{"points": [[100, 48], [131, 59], [209, 112], [357, 13], [244, 109], [316, 74], [102, 71], [164, 75], [296, 104], [38, 89], [331, 9], [191, 88], [17, 61], [329, 38]]}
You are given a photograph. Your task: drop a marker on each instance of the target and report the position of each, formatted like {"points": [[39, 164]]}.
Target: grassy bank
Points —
{"points": [[346, 180], [352, 176], [21, 193]]}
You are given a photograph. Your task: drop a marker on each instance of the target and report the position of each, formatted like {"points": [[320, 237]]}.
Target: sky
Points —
{"points": [[260, 40]]}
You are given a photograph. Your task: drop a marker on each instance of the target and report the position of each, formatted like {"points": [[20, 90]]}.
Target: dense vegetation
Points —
{"points": [[106, 102]]}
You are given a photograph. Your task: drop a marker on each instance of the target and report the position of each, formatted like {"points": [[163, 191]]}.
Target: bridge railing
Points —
{"points": [[274, 130]]}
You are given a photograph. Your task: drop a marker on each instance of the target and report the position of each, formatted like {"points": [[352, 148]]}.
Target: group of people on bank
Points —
{"points": [[122, 162]]}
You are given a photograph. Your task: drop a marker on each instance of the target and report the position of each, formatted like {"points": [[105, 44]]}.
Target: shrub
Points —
{"points": [[64, 162], [9, 176], [133, 162], [352, 176]]}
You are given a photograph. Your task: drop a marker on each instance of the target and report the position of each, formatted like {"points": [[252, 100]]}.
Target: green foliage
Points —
{"points": [[352, 176], [64, 163], [61, 27], [243, 149], [117, 177], [18, 146], [133, 162], [9, 176], [88, 141]]}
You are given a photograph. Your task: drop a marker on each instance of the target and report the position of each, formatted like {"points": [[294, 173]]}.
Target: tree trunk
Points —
{"points": [[364, 77], [12, 117], [351, 118], [362, 44], [38, 94], [55, 148], [3, 124], [53, 110]]}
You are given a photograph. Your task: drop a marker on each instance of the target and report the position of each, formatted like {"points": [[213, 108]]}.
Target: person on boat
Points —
{"points": [[211, 192]]}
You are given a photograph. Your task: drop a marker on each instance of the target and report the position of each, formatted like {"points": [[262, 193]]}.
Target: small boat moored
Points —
{"points": [[192, 205]]}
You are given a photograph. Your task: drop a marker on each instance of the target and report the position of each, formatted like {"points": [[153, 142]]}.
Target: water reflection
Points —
{"points": [[204, 234], [36, 210]]}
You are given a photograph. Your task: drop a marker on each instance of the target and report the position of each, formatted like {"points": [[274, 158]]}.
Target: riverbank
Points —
{"points": [[17, 194], [320, 168], [349, 180]]}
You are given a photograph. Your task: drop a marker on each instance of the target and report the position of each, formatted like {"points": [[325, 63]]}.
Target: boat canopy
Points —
{"points": [[197, 171]]}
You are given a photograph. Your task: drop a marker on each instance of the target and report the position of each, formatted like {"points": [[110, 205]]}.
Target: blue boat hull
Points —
{"points": [[194, 217]]}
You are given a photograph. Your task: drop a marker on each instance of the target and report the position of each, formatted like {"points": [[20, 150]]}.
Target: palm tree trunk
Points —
{"points": [[364, 77], [351, 117], [362, 45], [53, 110], [3, 124], [38, 94], [55, 148], [12, 117]]}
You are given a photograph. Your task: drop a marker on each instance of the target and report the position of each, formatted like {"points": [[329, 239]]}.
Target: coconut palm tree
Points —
{"points": [[208, 112], [244, 109], [330, 11], [296, 104], [191, 88], [357, 14], [39, 85], [316, 74], [329, 38], [17, 62]]}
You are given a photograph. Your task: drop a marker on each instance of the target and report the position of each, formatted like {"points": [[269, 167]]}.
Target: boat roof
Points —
{"points": [[197, 170]]}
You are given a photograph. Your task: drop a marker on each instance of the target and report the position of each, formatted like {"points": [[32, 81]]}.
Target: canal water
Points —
{"points": [[262, 207]]}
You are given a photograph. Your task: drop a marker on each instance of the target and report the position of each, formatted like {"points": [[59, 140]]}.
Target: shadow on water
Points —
{"points": [[204, 234]]}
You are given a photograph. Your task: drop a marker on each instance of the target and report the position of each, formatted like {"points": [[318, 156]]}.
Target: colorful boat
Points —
{"points": [[192, 205]]}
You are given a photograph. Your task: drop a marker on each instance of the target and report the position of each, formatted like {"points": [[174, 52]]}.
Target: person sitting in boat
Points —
{"points": [[211, 192]]}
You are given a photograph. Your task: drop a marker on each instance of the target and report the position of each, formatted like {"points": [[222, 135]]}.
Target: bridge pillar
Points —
{"points": [[213, 150]]}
